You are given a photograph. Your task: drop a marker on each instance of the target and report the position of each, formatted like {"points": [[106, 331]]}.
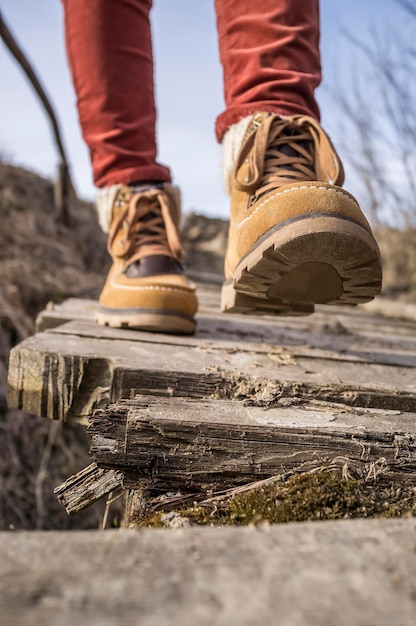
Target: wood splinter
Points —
{"points": [[81, 490]]}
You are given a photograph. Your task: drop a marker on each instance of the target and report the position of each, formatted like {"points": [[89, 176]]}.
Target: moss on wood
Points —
{"points": [[309, 497]]}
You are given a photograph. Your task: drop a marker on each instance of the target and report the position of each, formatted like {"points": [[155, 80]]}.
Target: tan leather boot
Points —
{"points": [[296, 237], [146, 287]]}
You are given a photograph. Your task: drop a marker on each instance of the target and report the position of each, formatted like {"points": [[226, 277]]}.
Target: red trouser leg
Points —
{"points": [[270, 56], [110, 56]]}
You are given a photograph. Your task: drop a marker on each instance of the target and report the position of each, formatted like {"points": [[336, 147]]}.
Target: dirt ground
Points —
{"points": [[43, 260]]}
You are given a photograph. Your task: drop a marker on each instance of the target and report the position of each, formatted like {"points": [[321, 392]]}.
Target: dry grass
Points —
{"points": [[40, 260], [398, 250]]}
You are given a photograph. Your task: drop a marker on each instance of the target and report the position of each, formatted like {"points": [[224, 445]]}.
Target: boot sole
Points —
{"points": [[233, 301], [310, 260], [151, 320]]}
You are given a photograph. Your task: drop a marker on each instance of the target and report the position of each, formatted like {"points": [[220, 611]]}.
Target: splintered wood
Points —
{"points": [[244, 399], [89, 485], [179, 444]]}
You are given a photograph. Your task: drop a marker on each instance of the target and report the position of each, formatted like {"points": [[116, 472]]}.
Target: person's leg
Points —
{"points": [[110, 55], [270, 57], [296, 238]]}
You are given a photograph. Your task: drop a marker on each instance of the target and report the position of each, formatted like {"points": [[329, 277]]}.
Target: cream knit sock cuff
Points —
{"points": [[107, 195], [231, 145], [105, 201]]}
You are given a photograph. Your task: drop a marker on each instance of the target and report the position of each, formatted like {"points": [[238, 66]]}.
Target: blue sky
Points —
{"points": [[188, 89]]}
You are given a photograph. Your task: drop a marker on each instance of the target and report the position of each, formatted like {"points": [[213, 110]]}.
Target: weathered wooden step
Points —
{"points": [[351, 357], [177, 443], [343, 573], [203, 448], [64, 375]]}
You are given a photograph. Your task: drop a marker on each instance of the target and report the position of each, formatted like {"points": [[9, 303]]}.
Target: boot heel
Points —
{"points": [[233, 301]]}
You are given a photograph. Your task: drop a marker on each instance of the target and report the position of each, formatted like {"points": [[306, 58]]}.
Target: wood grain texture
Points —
{"points": [[242, 400], [355, 358], [86, 487], [214, 444]]}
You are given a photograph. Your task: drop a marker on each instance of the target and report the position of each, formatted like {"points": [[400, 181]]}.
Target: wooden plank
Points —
{"points": [[83, 309], [354, 572], [98, 370], [348, 356], [86, 487], [213, 444], [329, 328], [237, 335], [56, 314], [381, 310], [344, 333], [59, 376]]}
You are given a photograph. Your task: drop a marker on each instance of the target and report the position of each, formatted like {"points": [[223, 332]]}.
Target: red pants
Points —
{"points": [[269, 52]]}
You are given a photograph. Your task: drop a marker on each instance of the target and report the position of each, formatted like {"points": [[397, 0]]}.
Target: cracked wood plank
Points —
{"points": [[353, 357], [354, 335], [81, 490], [208, 445], [63, 377]]}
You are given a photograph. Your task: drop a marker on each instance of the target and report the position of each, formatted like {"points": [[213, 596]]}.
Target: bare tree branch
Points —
{"points": [[65, 185], [381, 114]]}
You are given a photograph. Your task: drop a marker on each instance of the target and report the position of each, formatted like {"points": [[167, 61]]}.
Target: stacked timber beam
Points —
{"points": [[244, 400]]}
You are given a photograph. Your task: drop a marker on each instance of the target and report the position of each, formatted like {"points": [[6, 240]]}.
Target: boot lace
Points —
{"points": [[148, 228], [281, 151]]}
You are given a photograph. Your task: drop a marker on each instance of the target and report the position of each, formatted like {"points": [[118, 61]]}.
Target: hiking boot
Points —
{"points": [[146, 287], [296, 237]]}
